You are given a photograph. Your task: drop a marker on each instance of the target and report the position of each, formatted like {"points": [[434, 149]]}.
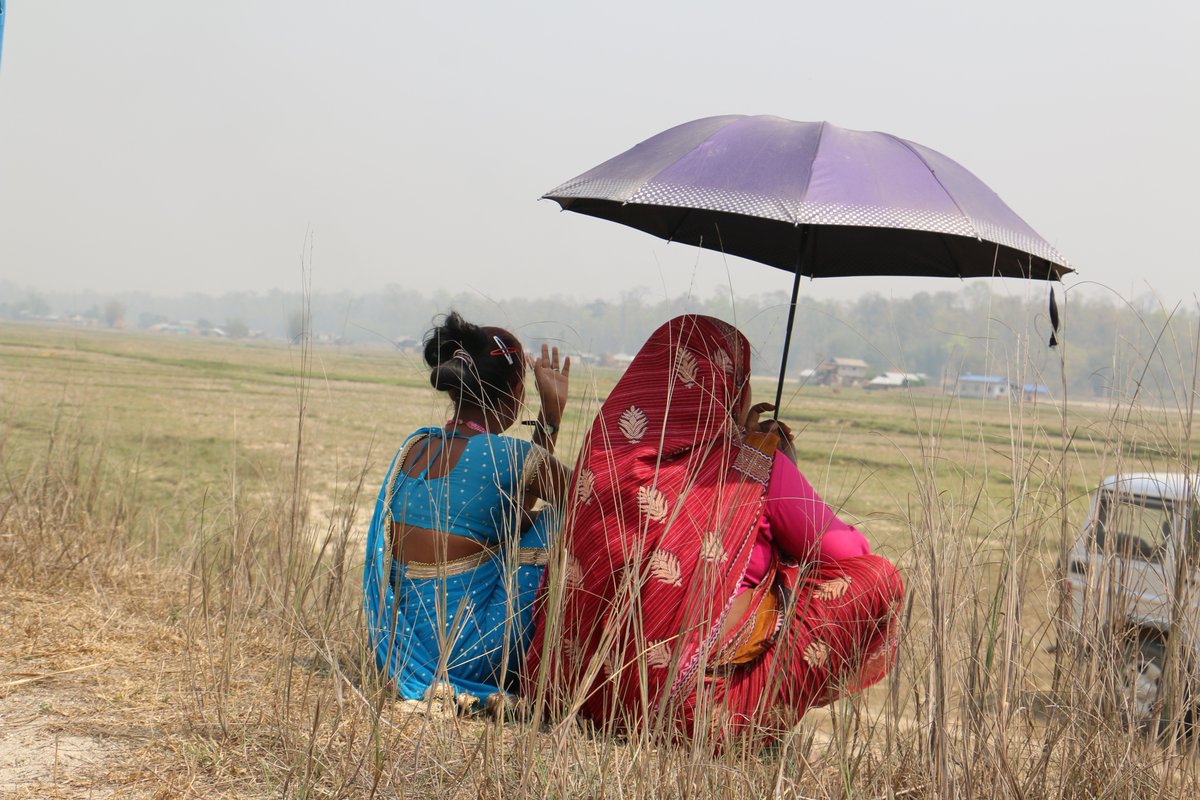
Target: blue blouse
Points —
{"points": [[478, 498]]}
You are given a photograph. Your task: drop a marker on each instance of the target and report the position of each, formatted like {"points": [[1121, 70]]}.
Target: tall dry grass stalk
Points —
{"points": [[989, 699]]}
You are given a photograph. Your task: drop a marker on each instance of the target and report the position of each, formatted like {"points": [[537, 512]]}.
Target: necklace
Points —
{"points": [[475, 426]]}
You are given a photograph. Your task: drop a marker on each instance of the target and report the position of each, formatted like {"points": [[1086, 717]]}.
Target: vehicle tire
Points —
{"points": [[1139, 683]]}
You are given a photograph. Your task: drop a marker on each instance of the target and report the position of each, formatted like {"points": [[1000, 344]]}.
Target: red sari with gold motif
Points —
{"points": [[658, 533]]}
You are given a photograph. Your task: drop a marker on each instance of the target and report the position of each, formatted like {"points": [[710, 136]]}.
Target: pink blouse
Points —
{"points": [[797, 521]]}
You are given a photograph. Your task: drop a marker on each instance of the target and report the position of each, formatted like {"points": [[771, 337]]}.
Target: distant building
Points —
{"points": [[895, 380], [839, 371], [1033, 392], [179, 328], [985, 386]]}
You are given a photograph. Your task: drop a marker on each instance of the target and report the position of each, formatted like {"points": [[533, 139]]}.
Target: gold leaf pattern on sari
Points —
{"points": [[652, 503], [633, 424], [712, 548], [658, 655], [570, 649], [664, 566], [722, 360], [585, 484], [572, 572], [816, 654], [720, 721], [685, 367], [832, 589], [608, 667]]}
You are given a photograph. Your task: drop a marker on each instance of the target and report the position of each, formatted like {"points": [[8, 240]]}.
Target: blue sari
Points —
{"points": [[465, 622]]}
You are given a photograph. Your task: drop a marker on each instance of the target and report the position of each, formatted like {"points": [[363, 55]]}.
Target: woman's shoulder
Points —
{"points": [[417, 435]]}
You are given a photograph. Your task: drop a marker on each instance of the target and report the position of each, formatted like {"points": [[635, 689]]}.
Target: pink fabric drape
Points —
{"points": [[798, 522]]}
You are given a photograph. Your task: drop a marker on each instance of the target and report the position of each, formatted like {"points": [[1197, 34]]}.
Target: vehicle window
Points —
{"points": [[1132, 526]]}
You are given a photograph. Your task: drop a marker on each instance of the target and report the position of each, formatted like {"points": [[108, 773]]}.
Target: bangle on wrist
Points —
{"points": [[545, 428]]}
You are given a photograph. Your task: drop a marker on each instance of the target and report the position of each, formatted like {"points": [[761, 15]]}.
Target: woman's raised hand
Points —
{"points": [[552, 383]]}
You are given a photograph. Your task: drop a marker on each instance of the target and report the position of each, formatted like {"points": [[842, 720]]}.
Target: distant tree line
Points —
{"points": [[1110, 345]]}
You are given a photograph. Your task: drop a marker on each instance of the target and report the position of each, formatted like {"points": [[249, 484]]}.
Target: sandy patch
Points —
{"points": [[90, 685], [40, 756]]}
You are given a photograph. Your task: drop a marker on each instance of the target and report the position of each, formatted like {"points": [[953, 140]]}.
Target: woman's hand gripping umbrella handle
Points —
{"points": [[753, 424]]}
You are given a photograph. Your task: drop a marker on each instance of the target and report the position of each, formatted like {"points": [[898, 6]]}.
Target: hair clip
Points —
{"points": [[504, 350]]}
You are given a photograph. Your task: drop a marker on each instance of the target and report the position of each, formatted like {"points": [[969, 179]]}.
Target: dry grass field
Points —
{"points": [[181, 526]]}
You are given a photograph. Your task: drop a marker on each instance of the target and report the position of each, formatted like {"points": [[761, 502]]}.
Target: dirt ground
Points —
{"points": [[92, 679]]}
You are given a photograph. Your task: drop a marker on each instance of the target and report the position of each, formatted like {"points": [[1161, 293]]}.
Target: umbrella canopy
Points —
{"points": [[815, 199]]}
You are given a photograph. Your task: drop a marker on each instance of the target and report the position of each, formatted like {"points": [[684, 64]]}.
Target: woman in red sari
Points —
{"points": [[702, 583]]}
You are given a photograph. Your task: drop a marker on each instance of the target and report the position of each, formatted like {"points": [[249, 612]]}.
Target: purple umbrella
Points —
{"points": [[813, 199]]}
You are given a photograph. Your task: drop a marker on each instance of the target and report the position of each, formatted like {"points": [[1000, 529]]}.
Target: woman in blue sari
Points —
{"points": [[455, 551]]}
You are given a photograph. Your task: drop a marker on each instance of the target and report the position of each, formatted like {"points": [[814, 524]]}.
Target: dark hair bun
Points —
{"points": [[455, 333], [448, 376], [461, 360]]}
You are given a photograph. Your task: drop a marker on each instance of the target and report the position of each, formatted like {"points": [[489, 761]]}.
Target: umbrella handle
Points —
{"points": [[787, 337]]}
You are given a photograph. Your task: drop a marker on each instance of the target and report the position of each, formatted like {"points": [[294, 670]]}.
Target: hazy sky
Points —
{"points": [[173, 146]]}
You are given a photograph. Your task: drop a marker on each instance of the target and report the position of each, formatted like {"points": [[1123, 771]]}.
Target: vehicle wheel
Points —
{"points": [[1138, 683]]}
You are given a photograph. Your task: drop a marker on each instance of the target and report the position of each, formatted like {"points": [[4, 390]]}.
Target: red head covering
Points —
{"points": [[658, 530]]}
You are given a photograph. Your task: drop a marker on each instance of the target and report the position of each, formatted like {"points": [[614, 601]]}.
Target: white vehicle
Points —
{"points": [[1134, 561]]}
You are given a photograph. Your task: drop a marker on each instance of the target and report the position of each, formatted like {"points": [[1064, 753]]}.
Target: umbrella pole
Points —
{"points": [[787, 337]]}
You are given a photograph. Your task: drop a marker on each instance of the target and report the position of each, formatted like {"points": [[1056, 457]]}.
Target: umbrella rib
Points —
{"points": [[811, 165], [683, 218], [933, 172], [953, 258]]}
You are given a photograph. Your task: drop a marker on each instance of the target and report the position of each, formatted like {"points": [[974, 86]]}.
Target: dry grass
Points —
{"points": [[180, 567]]}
